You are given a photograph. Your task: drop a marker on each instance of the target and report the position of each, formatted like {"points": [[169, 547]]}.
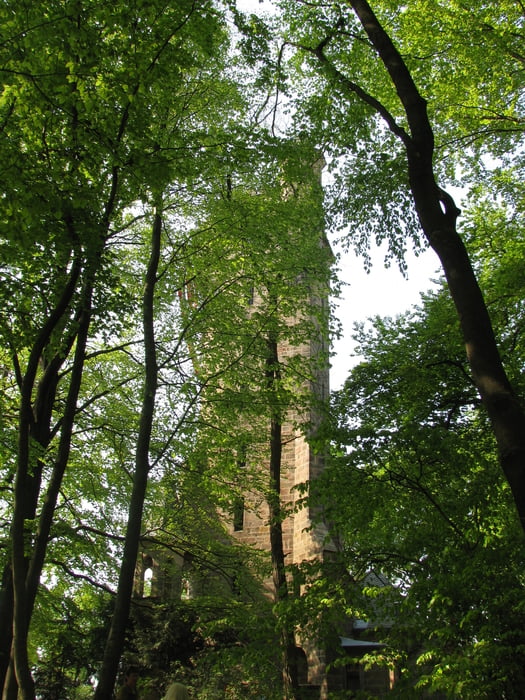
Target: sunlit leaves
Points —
{"points": [[424, 501], [466, 64]]}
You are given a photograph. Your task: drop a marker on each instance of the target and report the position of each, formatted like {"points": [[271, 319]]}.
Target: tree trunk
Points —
{"points": [[288, 655], [503, 407], [116, 636], [40, 433], [35, 562]]}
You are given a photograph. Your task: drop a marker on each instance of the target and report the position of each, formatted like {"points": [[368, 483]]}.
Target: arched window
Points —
{"points": [[148, 576]]}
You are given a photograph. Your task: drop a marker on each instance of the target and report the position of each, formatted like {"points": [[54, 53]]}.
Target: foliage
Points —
{"points": [[425, 505], [468, 67], [240, 657], [113, 115], [69, 630]]}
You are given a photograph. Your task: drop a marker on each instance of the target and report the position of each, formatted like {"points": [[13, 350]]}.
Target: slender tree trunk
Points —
{"points": [[40, 433], [35, 562], [116, 636], [289, 665]]}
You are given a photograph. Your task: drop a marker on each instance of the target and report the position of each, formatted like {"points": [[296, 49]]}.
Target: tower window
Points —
{"points": [[238, 514], [148, 576]]}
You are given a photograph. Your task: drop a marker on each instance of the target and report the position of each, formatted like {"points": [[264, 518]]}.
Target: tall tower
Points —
{"points": [[300, 465], [301, 339]]}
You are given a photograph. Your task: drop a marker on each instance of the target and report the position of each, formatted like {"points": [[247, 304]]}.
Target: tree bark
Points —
{"points": [[288, 655], [116, 636]]}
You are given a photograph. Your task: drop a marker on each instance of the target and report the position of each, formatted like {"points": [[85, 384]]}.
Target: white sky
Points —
{"points": [[382, 292]]}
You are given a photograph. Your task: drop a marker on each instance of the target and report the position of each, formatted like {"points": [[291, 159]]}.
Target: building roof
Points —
{"points": [[350, 643]]}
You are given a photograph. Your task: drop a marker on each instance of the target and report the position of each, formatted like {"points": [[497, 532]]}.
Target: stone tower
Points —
{"points": [[300, 465], [249, 524]]}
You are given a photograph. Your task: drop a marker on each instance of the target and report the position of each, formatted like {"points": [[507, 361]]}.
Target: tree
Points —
{"points": [[115, 641], [428, 508], [372, 86], [88, 129]]}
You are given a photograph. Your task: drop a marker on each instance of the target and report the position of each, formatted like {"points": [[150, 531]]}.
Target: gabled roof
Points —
{"points": [[350, 643]]}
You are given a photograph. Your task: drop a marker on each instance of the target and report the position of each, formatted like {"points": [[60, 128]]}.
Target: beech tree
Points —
{"points": [[426, 506], [93, 121]]}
